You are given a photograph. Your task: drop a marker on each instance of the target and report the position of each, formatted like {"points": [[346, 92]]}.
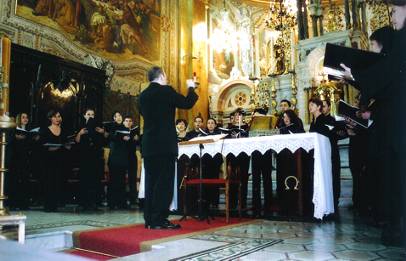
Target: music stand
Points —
{"points": [[261, 125], [201, 215]]}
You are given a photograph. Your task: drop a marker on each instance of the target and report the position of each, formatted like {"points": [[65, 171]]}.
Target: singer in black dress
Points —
{"points": [[118, 165], [335, 135], [18, 181], [211, 165], [53, 139], [90, 140], [238, 165]]}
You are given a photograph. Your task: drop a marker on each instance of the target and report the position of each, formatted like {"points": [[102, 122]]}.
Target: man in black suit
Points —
{"points": [[198, 122], [159, 146], [284, 105]]}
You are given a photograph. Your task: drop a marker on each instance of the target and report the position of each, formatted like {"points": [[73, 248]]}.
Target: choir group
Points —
{"points": [[48, 156]]}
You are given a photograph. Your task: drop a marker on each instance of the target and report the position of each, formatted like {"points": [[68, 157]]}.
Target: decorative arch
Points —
{"points": [[313, 62], [229, 90]]}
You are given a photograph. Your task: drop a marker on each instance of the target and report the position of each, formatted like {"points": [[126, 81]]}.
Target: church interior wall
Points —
{"points": [[181, 35]]}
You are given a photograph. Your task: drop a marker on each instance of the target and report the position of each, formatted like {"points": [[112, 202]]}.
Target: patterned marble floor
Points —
{"points": [[348, 239]]}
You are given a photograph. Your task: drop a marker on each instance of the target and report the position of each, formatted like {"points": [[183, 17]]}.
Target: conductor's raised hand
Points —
{"points": [[190, 83]]}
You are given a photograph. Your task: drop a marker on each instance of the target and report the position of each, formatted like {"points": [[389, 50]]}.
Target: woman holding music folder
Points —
{"points": [[211, 164], [20, 170], [54, 141], [385, 81], [238, 165], [90, 138]]}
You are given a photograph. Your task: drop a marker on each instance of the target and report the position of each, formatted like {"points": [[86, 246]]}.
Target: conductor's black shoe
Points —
{"points": [[170, 225], [156, 226]]}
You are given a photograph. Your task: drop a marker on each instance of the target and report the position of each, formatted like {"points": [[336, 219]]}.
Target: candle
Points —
{"points": [[5, 70], [5, 58]]}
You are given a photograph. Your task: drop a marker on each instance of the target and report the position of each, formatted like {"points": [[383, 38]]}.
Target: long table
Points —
{"points": [[322, 180]]}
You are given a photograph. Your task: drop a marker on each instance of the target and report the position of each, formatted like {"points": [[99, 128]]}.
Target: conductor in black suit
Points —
{"points": [[159, 146]]}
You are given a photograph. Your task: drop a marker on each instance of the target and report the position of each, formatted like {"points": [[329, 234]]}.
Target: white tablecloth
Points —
{"points": [[322, 182], [141, 192]]}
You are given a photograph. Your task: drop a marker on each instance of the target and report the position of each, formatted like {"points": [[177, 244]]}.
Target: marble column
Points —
{"points": [[354, 11], [347, 14], [314, 26], [321, 29], [364, 16], [300, 20]]}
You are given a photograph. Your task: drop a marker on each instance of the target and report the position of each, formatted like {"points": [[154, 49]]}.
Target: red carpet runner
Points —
{"points": [[131, 239]]}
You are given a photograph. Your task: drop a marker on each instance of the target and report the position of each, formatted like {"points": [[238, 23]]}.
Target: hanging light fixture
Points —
{"points": [[282, 15]]}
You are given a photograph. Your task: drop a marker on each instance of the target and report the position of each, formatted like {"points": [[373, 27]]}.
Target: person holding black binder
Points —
{"points": [[385, 81], [198, 124], [366, 168], [20, 170], [211, 165], [118, 166], [336, 134], [132, 160], [159, 146], [238, 165], [90, 138], [261, 170], [54, 142]]}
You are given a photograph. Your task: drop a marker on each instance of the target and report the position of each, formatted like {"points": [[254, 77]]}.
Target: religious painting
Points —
{"points": [[114, 29], [223, 63], [223, 57]]}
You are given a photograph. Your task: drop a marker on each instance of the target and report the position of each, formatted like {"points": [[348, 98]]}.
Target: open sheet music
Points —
{"points": [[35, 130], [212, 138], [204, 139], [128, 132]]}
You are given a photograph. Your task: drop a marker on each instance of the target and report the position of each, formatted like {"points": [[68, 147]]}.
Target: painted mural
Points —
{"points": [[113, 29]]}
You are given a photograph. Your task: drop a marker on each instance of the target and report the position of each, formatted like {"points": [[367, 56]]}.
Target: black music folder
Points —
{"points": [[346, 110], [355, 59], [127, 132]]}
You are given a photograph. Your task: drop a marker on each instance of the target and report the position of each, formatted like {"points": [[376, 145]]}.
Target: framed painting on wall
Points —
{"points": [[117, 30]]}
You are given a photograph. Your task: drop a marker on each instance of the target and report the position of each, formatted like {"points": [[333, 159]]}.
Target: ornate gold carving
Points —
{"points": [[293, 100], [335, 20], [379, 15], [166, 23], [273, 94]]}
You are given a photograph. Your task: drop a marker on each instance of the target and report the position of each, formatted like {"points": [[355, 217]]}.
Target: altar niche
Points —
{"points": [[40, 81]]}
